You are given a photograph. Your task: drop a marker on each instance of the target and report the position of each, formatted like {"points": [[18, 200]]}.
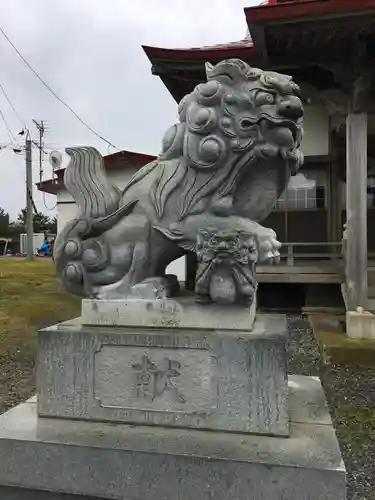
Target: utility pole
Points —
{"points": [[41, 129], [29, 201]]}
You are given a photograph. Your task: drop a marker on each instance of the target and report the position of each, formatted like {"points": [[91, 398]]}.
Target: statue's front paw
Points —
{"points": [[269, 247]]}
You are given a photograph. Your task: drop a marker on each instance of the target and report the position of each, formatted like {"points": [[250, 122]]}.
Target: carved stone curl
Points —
{"points": [[222, 166], [226, 267]]}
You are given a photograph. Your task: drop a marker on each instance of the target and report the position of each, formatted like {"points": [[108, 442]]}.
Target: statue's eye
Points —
{"points": [[263, 98]]}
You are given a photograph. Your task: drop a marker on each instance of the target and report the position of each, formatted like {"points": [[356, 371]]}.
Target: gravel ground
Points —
{"points": [[17, 380], [350, 393]]}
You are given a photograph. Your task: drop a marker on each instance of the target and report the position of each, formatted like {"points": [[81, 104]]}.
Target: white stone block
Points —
{"points": [[184, 313], [360, 325]]}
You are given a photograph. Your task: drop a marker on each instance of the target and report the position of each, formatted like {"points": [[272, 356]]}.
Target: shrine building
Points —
{"points": [[326, 216]]}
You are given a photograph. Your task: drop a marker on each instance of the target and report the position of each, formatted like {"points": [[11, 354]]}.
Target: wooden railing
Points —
{"points": [[322, 251]]}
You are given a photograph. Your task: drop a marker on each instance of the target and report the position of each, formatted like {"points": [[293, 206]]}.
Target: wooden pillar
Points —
{"points": [[334, 205], [356, 210]]}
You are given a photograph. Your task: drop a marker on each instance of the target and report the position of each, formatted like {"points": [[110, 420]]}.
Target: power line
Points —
{"points": [[11, 136], [39, 147], [5, 145], [12, 106], [53, 92]]}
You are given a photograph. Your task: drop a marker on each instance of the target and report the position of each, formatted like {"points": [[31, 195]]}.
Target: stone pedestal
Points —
{"points": [[42, 458], [203, 378], [161, 408]]}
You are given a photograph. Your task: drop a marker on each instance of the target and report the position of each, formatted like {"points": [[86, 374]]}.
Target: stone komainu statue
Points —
{"points": [[223, 166]]}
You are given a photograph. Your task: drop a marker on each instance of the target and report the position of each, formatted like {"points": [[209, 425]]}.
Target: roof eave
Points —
{"points": [[263, 19], [50, 186], [165, 61], [306, 9], [200, 53]]}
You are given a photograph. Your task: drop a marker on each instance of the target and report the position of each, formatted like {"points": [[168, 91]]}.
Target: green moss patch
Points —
{"points": [[336, 347]]}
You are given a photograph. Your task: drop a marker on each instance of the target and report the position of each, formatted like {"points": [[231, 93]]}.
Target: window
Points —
{"points": [[306, 190]]}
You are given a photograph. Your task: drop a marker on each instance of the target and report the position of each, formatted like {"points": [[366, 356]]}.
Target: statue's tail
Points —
{"points": [[97, 211], [86, 180]]}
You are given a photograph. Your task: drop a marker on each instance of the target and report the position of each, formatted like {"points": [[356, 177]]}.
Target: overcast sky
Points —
{"points": [[89, 51]]}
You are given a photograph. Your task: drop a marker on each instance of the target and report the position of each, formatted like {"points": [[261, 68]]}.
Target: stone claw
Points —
{"points": [[269, 247]]}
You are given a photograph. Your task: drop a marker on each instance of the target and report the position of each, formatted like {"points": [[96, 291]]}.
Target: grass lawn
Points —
{"points": [[30, 298]]}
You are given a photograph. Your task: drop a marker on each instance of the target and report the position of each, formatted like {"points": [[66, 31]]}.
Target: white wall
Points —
{"points": [[178, 268], [316, 141], [65, 212]]}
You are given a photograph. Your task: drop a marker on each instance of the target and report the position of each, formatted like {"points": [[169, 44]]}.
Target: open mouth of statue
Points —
{"points": [[282, 132], [284, 135]]}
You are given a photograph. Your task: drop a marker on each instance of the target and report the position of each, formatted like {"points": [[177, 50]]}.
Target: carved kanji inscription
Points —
{"points": [[155, 378]]}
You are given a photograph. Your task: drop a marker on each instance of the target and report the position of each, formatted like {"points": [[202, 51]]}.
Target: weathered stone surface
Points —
{"points": [[307, 403], [184, 313], [199, 378], [219, 168], [133, 462], [9, 493]]}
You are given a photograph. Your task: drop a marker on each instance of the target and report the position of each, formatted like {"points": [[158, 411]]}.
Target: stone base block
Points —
{"points": [[138, 462], [360, 324], [197, 378], [167, 313]]}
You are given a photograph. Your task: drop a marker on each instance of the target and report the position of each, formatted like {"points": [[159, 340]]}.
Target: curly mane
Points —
{"points": [[219, 134]]}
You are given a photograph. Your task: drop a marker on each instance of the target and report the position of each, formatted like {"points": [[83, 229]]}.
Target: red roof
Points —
{"points": [[205, 52], [130, 157], [181, 69], [170, 64], [303, 8], [270, 10], [123, 159]]}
